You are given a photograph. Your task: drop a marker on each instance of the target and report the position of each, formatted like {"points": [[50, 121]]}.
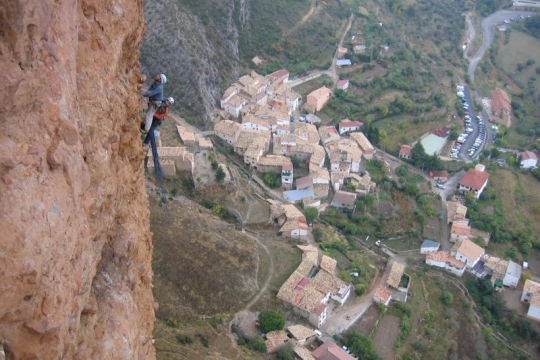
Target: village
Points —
{"points": [[266, 123]]}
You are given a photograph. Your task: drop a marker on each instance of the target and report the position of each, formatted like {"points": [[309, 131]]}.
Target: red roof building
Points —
{"points": [[405, 151], [343, 84], [474, 181]]}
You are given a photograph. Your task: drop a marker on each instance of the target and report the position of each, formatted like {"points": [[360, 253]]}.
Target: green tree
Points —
{"points": [[317, 234], [360, 345], [412, 190], [418, 154], [257, 344], [219, 211], [272, 179], [360, 289], [270, 321], [220, 175], [286, 352], [345, 276], [311, 214], [295, 160]]}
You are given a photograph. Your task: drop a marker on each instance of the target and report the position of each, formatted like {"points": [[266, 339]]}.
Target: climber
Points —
{"points": [[155, 98], [158, 118]]}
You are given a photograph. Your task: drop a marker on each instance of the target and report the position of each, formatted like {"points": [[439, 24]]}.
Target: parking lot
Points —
{"points": [[469, 143]]}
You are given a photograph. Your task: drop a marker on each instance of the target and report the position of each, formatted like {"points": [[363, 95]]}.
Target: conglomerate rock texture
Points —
{"points": [[75, 245]]}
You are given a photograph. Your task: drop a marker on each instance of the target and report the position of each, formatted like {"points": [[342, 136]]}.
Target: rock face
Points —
{"points": [[199, 54], [75, 258]]}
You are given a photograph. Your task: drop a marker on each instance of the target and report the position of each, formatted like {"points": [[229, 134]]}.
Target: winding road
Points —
{"points": [[487, 32]]}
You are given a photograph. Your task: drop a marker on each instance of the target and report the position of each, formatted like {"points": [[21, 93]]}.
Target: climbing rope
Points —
{"points": [[157, 168]]}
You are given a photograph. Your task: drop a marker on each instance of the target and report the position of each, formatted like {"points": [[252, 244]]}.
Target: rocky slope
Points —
{"points": [[76, 247], [196, 46]]}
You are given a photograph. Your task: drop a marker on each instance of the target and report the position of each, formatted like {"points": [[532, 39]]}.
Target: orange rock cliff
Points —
{"points": [[75, 255]]}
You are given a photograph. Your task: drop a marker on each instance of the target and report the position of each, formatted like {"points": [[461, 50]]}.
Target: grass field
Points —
{"points": [[505, 74]]}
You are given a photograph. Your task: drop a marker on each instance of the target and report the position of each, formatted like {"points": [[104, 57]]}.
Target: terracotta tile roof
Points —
{"points": [[460, 230], [441, 256], [439, 174], [362, 141], [320, 92], [304, 181], [307, 201], [230, 91], [534, 288], [347, 123], [288, 210], [303, 353], [274, 340], [275, 160], [456, 211], [474, 179], [526, 155], [330, 351], [320, 190], [293, 224], [236, 101], [500, 100], [205, 143], [228, 127], [328, 132], [470, 250], [255, 120], [328, 264], [280, 73], [310, 253], [455, 263], [383, 294], [300, 332], [395, 274], [351, 149], [405, 150], [253, 152], [344, 197]]}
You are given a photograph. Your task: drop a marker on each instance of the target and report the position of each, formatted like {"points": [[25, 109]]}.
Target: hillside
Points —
{"points": [[204, 46]]}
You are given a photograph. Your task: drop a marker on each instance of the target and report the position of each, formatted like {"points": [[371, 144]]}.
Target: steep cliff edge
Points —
{"points": [[75, 259]]}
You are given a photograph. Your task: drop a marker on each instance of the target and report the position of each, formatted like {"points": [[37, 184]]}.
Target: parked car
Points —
{"points": [[440, 186]]}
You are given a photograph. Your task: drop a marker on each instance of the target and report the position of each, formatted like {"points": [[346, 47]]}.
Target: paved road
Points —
{"points": [[464, 152], [487, 32], [472, 34]]}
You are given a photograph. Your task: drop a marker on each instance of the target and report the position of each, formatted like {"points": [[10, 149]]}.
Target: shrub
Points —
{"points": [[257, 344], [270, 321], [447, 298], [184, 339]]}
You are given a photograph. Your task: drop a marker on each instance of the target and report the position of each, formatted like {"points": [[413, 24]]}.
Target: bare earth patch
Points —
{"points": [[367, 321], [386, 335]]}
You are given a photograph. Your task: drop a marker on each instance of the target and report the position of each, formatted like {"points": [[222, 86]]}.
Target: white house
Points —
{"points": [[429, 246], [531, 296], [346, 126], [250, 122], [444, 260], [382, 296], [405, 151], [528, 159], [344, 200], [469, 253], [513, 274], [343, 84], [234, 105], [474, 181], [459, 232], [228, 131]]}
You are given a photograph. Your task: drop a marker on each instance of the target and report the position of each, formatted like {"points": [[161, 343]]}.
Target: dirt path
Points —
{"points": [[245, 311], [304, 19], [333, 67]]}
